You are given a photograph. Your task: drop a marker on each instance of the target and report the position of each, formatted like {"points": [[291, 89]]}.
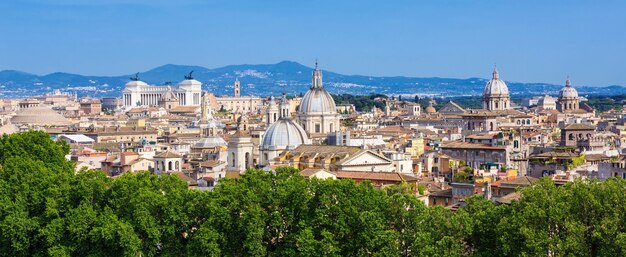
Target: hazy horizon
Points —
{"points": [[530, 41]]}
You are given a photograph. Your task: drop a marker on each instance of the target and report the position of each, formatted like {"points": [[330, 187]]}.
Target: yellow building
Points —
{"points": [[140, 123], [415, 147]]}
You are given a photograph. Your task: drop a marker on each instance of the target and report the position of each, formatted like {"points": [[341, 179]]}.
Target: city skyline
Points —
{"points": [[531, 41]]}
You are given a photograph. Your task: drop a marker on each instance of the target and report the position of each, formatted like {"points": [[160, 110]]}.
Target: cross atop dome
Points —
{"points": [[317, 77], [495, 72]]}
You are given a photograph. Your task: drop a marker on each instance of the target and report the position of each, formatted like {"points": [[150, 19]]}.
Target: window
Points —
{"points": [[232, 157], [317, 128]]}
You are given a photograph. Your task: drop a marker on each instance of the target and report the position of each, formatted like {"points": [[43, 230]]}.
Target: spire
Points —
{"points": [[284, 106], [495, 72], [317, 77]]}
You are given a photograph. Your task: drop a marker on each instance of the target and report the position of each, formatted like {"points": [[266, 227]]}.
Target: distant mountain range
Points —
{"points": [[268, 79]]}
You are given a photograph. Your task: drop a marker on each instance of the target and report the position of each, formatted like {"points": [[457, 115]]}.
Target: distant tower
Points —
{"points": [[496, 95], [271, 115], [387, 109], [237, 87]]}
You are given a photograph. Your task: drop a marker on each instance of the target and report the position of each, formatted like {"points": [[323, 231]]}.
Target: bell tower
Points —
{"points": [[237, 88], [240, 148]]}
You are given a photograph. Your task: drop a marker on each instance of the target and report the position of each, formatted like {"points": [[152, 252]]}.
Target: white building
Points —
{"points": [[139, 93]]}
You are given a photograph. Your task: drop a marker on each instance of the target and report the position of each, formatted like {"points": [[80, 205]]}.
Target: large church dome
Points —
{"points": [[568, 91], [284, 134], [317, 99], [495, 86], [39, 115]]}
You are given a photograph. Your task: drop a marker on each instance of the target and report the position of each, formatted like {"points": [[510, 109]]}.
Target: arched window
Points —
{"points": [[232, 158], [177, 165], [170, 165], [491, 126], [247, 160], [571, 136], [496, 105]]}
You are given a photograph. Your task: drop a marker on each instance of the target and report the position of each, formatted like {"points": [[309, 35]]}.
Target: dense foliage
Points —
{"points": [[362, 103], [605, 103], [48, 210]]}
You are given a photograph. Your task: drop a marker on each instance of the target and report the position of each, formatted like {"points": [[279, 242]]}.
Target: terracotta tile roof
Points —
{"points": [[378, 176], [211, 163], [183, 177], [507, 199], [185, 109], [167, 154], [310, 171], [467, 145], [515, 182], [579, 126]]}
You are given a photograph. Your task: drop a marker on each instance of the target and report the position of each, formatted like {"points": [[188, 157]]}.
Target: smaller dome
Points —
{"points": [[430, 109], [568, 91], [496, 87], [546, 100], [169, 95], [210, 142], [284, 134], [39, 115]]}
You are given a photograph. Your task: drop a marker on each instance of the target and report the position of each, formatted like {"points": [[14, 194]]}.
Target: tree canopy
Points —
{"points": [[46, 209]]}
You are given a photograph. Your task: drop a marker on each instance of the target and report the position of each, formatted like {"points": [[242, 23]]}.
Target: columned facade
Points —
{"points": [[138, 93]]}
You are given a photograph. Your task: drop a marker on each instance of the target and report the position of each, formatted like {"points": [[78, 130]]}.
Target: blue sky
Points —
{"points": [[530, 41]]}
